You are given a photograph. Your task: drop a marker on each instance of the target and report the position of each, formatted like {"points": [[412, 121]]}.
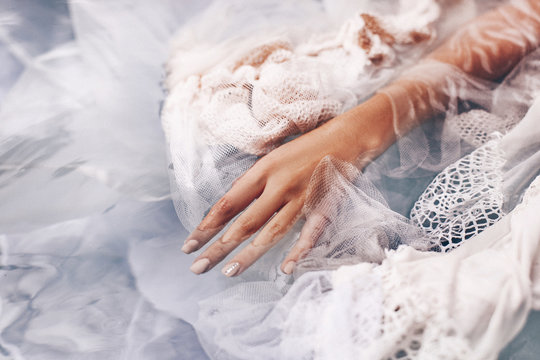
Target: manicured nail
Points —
{"points": [[231, 269], [200, 266], [289, 267], [190, 246]]}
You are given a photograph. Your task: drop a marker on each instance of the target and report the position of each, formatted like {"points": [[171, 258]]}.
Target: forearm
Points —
{"points": [[486, 49], [491, 45], [274, 190]]}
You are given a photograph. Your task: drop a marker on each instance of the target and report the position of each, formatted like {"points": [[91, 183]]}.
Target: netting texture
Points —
{"points": [[220, 116], [404, 224]]}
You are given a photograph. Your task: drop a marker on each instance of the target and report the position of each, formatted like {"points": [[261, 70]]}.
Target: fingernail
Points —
{"points": [[190, 246], [288, 269], [199, 266], [231, 269]]}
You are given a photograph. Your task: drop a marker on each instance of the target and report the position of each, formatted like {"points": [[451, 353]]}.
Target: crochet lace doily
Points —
{"points": [[462, 200], [279, 87], [466, 197]]}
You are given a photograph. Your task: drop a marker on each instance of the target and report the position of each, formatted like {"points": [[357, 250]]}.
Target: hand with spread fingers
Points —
{"points": [[273, 191]]}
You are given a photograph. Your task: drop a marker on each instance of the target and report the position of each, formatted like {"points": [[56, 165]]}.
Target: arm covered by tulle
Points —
{"points": [[273, 192], [485, 49]]}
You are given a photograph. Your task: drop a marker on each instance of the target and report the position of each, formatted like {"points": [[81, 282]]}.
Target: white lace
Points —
{"points": [[269, 87], [464, 199]]}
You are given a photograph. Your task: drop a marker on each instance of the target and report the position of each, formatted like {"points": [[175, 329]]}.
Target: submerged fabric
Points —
{"points": [[90, 259], [85, 212], [220, 116], [466, 303]]}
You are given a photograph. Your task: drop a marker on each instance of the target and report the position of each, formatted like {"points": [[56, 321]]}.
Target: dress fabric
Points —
{"points": [[431, 252]]}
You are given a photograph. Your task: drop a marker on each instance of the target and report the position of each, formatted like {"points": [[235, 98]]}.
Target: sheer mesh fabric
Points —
{"points": [[85, 210], [271, 86], [397, 248], [463, 199]]}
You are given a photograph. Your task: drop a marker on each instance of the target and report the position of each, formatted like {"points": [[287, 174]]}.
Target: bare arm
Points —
{"points": [[274, 189]]}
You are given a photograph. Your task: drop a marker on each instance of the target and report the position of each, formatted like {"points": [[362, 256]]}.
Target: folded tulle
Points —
{"points": [[88, 236], [79, 126], [465, 303], [458, 174], [84, 183], [233, 97]]}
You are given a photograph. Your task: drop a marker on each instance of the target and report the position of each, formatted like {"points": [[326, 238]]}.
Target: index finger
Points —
{"points": [[242, 193]]}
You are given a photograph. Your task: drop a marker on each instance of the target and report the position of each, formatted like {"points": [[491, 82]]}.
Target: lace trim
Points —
{"points": [[462, 200]]}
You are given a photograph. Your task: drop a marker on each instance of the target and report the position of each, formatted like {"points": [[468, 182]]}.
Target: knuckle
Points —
{"points": [[265, 165], [285, 189], [220, 252], [223, 207], [259, 176], [280, 191], [284, 186], [230, 237], [215, 253], [237, 181], [205, 225], [208, 224], [220, 213], [275, 230], [247, 225]]}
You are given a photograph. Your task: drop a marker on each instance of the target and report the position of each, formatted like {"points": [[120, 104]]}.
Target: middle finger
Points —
{"points": [[251, 220]]}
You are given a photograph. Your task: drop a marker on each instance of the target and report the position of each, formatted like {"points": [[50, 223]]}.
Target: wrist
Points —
{"points": [[362, 133]]}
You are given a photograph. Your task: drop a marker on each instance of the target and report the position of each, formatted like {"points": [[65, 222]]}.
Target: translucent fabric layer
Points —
{"points": [[83, 181], [439, 187], [465, 303], [89, 234], [232, 98]]}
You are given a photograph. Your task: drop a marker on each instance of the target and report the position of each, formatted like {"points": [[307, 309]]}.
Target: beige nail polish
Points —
{"points": [[200, 266], [289, 267], [190, 246], [231, 269]]}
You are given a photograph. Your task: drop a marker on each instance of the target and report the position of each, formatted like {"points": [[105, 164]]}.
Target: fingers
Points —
{"points": [[312, 230], [270, 235], [246, 225], [242, 193]]}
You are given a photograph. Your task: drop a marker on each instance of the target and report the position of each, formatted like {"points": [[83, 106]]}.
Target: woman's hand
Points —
{"points": [[273, 191], [276, 185]]}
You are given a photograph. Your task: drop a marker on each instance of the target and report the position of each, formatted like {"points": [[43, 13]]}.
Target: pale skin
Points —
{"points": [[273, 191]]}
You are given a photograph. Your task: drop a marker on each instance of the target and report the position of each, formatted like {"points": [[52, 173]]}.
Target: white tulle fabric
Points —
{"points": [[466, 303], [411, 294], [84, 183], [89, 240], [232, 98]]}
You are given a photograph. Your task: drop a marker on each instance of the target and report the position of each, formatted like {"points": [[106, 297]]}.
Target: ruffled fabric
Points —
{"points": [[439, 188], [83, 183], [89, 239], [449, 304]]}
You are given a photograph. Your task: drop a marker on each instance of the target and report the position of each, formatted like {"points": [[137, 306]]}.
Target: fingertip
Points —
{"points": [[200, 266], [203, 234], [231, 269], [190, 246], [289, 267]]}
